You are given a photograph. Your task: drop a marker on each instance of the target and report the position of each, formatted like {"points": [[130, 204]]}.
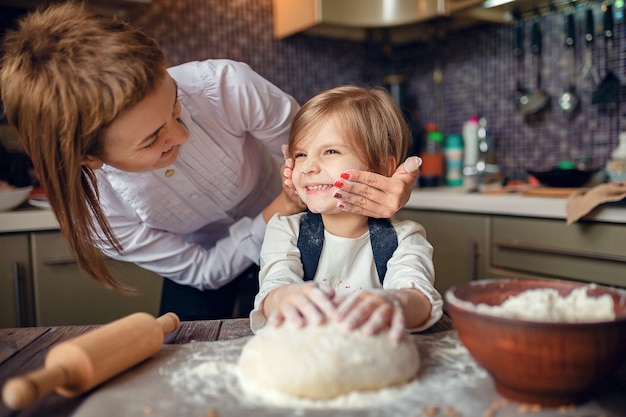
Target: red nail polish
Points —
{"points": [[338, 184], [341, 206], [338, 195], [345, 175]]}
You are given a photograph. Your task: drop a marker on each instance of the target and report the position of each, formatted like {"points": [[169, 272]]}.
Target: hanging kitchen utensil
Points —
{"points": [[540, 98], [521, 93], [569, 101], [608, 90], [589, 70]]}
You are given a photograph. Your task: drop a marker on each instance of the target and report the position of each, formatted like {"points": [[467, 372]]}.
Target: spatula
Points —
{"points": [[608, 90]]}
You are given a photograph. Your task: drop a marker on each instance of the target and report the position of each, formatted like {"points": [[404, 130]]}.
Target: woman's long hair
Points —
{"points": [[66, 74]]}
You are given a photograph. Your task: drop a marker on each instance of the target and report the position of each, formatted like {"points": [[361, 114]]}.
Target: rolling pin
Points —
{"points": [[77, 365]]}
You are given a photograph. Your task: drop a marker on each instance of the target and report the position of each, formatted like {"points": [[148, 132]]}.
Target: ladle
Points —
{"points": [[540, 98], [569, 100]]}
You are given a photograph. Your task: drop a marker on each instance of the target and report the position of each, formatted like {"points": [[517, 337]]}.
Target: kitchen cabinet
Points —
{"points": [[64, 294], [545, 248], [470, 246], [461, 244], [55, 291], [15, 273]]}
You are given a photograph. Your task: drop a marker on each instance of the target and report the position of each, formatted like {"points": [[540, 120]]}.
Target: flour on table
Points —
{"points": [[547, 305], [324, 362], [200, 379], [209, 376]]}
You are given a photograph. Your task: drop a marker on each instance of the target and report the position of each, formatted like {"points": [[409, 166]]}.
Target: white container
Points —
{"points": [[616, 167], [470, 139]]}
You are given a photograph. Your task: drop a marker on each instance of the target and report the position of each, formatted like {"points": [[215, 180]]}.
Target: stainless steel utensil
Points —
{"points": [[540, 98], [521, 93], [569, 101], [589, 70], [609, 89]]}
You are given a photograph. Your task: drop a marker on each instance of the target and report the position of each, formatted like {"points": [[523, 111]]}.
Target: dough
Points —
{"points": [[323, 362]]}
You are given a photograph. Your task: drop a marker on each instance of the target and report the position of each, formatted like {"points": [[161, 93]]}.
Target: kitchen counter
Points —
{"points": [[510, 204], [28, 218], [23, 350]]}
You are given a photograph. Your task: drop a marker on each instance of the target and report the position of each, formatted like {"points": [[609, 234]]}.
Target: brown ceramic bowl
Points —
{"points": [[547, 363]]}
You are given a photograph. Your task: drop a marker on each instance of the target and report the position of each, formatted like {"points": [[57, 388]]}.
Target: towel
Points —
{"points": [[582, 201]]}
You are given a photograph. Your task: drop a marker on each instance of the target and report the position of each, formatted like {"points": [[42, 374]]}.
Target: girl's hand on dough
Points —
{"points": [[304, 304], [372, 311], [375, 195]]}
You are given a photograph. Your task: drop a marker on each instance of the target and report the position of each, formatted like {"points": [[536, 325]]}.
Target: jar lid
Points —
{"points": [[435, 136], [454, 140], [431, 127]]}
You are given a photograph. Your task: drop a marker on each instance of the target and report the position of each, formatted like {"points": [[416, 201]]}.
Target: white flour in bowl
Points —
{"points": [[547, 305]]}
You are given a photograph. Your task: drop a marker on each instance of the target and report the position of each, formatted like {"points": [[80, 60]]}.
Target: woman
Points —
{"points": [[174, 169]]}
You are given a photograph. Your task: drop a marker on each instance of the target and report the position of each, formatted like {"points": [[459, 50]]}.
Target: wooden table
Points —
{"points": [[23, 350]]}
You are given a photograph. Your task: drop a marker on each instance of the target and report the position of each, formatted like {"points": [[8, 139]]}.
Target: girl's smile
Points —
{"points": [[320, 187]]}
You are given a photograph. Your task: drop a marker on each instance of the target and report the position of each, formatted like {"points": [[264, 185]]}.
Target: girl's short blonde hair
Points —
{"points": [[369, 118]]}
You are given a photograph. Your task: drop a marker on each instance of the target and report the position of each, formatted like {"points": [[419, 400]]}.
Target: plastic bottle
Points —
{"points": [[470, 138], [433, 162], [616, 167], [453, 151]]}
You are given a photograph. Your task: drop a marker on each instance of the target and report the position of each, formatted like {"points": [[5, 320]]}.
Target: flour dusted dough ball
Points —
{"points": [[323, 362]]}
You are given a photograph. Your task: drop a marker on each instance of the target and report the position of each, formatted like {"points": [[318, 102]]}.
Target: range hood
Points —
{"points": [[350, 19]]}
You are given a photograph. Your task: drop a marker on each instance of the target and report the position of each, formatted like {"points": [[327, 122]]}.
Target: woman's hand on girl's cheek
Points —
{"points": [[294, 198], [288, 187], [287, 173], [374, 195], [287, 168]]}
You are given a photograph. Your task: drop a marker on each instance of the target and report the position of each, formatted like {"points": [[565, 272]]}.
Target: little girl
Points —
{"points": [[331, 265]]}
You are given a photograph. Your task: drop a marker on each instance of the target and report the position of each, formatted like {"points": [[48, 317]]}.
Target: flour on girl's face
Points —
{"points": [[319, 160]]}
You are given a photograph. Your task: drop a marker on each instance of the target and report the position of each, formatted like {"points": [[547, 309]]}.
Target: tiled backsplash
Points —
{"points": [[478, 67]]}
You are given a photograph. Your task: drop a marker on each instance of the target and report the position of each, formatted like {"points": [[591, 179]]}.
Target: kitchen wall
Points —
{"points": [[477, 64]]}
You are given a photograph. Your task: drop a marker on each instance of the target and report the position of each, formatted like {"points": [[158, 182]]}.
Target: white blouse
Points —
{"points": [[202, 225]]}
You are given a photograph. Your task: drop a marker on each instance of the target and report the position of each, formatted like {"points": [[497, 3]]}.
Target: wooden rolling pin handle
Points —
{"points": [[79, 364], [169, 322], [21, 391]]}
